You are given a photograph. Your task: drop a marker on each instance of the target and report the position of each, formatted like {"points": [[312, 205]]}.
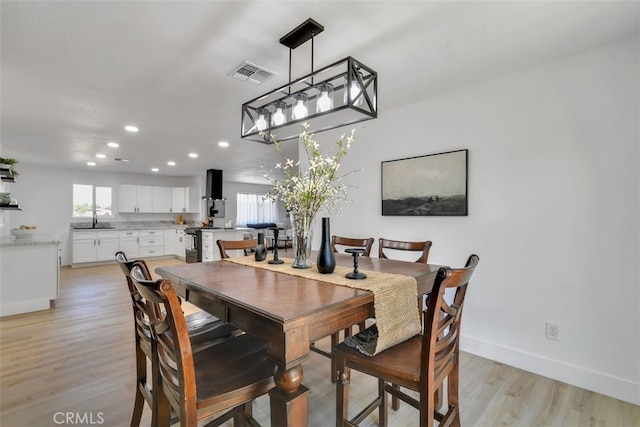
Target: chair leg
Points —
{"points": [[395, 402], [383, 412], [162, 415], [342, 393], [335, 339], [141, 381]]}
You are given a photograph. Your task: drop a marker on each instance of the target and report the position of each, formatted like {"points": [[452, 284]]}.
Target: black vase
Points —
{"points": [[326, 260], [261, 251]]}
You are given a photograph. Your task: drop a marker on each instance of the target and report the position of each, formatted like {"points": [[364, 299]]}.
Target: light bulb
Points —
{"points": [[261, 123], [355, 93], [278, 117], [324, 101], [299, 110]]}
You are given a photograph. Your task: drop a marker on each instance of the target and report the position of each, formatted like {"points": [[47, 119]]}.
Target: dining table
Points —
{"points": [[288, 312]]}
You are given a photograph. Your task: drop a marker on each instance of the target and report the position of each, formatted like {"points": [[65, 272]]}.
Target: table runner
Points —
{"points": [[395, 301]]}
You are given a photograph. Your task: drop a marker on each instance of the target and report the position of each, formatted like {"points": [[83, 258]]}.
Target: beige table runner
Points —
{"points": [[395, 300]]}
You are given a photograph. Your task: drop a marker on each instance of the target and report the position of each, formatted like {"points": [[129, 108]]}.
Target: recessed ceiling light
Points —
{"points": [[154, 169], [223, 144], [91, 163], [193, 155], [113, 144], [101, 156], [171, 163], [131, 128]]}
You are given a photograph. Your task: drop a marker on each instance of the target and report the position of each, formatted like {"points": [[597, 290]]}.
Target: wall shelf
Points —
{"points": [[11, 207]]}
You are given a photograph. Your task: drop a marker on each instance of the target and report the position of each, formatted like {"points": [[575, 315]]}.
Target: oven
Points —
{"points": [[193, 244]]}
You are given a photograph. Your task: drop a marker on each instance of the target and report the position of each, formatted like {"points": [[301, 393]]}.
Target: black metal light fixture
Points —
{"points": [[337, 95]]}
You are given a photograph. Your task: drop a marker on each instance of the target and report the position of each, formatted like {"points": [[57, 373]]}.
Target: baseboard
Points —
{"points": [[24, 307], [599, 382]]}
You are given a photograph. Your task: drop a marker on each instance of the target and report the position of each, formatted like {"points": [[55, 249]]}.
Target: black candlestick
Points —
{"points": [[355, 274], [275, 259]]}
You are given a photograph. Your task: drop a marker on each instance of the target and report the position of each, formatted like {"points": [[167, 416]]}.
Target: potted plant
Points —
{"points": [[7, 163]]}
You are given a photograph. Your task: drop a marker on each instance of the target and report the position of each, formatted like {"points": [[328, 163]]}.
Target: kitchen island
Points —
{"points": [[29, 273]]}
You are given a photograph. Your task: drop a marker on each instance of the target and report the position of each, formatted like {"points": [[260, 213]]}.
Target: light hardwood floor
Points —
{"points": [[78, 358]]}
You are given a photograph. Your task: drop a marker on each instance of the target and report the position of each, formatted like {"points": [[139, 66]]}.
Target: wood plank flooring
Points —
{"points": [[78, 358]]}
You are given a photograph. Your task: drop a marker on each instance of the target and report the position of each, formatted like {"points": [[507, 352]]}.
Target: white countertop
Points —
{"points": [[36, 239]]}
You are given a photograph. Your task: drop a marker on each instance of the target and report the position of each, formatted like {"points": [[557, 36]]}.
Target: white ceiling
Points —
{"points": [[75, 72]]}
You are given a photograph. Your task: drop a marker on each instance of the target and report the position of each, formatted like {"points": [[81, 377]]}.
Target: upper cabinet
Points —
{"points": [[184, 200], [154, 199], [135, 198]]}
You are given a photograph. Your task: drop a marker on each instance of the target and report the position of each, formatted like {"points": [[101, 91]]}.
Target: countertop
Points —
{"points": [[36, 239], [134, 225]]}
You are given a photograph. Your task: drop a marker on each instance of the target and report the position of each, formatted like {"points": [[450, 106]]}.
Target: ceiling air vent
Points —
{"points": [[251, 73]]}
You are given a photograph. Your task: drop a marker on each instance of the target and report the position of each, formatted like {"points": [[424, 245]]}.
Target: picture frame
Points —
{"points": [[428, 185]]}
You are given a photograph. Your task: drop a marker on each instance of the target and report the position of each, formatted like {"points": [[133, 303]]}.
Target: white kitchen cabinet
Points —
{"points": [[92, 246], [135, 198], [151, 243], [161, 199], [185, 200], [29, 274], [180, 244], [129, 243], [170, 237], [210, 250]]}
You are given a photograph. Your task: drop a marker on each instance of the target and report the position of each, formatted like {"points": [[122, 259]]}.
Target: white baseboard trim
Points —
{"points": [[599, 382], [24, 307]]}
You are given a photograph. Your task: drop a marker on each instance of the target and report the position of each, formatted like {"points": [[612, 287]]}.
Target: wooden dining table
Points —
{"points": [[287, 311]]}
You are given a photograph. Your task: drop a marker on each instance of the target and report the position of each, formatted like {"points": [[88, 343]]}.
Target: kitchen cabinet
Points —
{"points": [[161, 199], [184, 200], [92, 246], [128, 243], [170, 237], [180, 244], [210, 250], [151, 243], [135, 198], [29, 273], [144, 199]]}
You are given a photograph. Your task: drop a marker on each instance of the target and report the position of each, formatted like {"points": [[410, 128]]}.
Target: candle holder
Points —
{"points": [[355, 274], [275, 259]]}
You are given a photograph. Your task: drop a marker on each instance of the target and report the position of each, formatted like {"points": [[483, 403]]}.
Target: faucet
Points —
{"points": [[95, 218]]}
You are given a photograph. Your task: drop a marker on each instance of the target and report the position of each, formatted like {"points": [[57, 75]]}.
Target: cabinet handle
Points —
{"points": [[137, 240], [152, 241]]}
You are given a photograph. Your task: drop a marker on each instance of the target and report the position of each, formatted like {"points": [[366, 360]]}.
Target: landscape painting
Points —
{"points": [[430, 185]]}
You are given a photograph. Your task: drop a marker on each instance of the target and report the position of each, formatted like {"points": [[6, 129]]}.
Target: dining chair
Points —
{"points": [[245, 245], [421, 363], [398, 245], [204, 329], [222, 379], [338, 242]]}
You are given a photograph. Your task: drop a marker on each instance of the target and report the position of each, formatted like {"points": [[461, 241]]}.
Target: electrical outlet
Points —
{"points": [[553, 331]]}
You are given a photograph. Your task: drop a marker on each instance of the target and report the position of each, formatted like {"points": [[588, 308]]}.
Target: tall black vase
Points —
{"points": [[261, 251], [326, 260]]}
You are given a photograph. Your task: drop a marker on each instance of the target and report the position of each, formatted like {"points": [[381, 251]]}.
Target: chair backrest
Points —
{"points": [[173, 345], [350, 242], [422, 247], [228, 245], [441, 338], [141, 306]]}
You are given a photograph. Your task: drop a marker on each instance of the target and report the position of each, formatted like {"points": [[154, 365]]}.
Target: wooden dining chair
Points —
{"points": [[245, 245], [338, 242], [421, 364], [205, 330], [222, 380], [397, 245]]}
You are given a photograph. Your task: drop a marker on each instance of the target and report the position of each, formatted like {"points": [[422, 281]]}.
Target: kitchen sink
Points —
{"points": [[91, 227]]}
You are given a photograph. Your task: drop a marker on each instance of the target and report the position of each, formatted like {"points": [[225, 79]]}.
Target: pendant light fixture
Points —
{"points": [[340, 94]]}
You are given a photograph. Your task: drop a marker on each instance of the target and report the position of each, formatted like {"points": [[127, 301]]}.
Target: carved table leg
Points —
{"points": [[289, 399]]}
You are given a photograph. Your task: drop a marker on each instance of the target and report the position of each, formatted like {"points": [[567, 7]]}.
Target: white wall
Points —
{"points": [[553, 211]]}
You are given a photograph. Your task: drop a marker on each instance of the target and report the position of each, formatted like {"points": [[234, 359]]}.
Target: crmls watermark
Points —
{"points": [[78, 418]]}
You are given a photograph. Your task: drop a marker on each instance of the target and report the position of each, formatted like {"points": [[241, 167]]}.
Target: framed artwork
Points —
{"points": [[430, 185]]}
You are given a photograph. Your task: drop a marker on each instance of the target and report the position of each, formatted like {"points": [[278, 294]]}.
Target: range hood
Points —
{"points": [[214, 184]]}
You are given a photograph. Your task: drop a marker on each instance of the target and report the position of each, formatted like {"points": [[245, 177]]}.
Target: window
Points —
{"points": [[251, 209], [86, 198]]}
